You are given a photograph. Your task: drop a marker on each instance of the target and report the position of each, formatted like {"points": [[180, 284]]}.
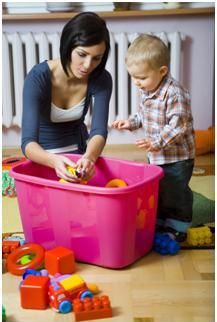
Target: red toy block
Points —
{"points": [[8, 246], [90, 309], [60, 260], [34, 292]]}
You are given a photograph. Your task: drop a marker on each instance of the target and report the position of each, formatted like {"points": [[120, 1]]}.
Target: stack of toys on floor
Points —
{"points": [[196, 237], [49, 276], [49, 279]]}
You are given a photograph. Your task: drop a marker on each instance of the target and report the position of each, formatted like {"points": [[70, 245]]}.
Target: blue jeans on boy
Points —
{"points": [[175, 202]]}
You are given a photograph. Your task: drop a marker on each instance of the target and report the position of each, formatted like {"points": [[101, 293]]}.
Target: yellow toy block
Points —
{"points": [[199, 236], [72, 282], [93, 288], [63, 181], [75, 172], [72, 171]]}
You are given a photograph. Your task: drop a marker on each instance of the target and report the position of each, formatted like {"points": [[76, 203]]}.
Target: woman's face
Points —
{"points": [[85, 59]]}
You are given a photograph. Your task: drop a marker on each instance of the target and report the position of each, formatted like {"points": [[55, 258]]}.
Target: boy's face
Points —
{"points": [[146, 78]]}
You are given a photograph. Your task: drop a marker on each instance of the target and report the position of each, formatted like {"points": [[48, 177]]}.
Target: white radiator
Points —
{"points": [[22, 51]]}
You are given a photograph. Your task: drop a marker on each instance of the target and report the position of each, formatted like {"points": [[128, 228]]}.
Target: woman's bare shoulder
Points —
{"points": [[53, 64]]}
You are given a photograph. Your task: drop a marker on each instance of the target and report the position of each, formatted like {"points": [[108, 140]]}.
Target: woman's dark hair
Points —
{"points": [[85, 29]]}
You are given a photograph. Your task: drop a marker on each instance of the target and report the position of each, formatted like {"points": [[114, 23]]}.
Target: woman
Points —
{"points": [[57, 95]]}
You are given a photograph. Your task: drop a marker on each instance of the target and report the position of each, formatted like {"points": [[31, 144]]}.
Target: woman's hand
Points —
{"points": [[60, 163], [87, 168]]}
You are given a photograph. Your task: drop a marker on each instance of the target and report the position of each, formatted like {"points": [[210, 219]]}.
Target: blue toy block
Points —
{"points": [[164, 244]]}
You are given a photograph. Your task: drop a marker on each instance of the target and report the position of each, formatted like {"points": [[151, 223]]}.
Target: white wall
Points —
{"points": [[197, 68]]}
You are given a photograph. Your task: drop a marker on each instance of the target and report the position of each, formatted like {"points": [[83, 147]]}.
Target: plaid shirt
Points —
{"points": [[166, 118]]}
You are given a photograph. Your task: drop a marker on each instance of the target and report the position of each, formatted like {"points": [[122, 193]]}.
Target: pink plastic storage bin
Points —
{"points": [[110, 227]]}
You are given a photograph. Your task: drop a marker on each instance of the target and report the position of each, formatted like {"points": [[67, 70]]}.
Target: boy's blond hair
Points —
{"points": [[148, 49]]}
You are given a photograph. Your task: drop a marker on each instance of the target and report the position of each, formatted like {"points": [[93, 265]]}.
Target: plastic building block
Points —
{"points": [[60, 260], [93, 288], [31, 271], [79, 173], [8, 246], [90, 309], [4, 318], [165, 245], [63, 291], [76, 172], [58, 277], [15, 238], [199, 236], [34, 292], [72, 282]]}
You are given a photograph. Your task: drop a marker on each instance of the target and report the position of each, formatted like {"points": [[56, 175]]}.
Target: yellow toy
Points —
{"points": [[93, 288], [116, 183], [199, 236], [76, 172], [63, 292]]}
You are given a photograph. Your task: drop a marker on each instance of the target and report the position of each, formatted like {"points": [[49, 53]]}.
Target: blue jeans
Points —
{"points": [[175, 203]]}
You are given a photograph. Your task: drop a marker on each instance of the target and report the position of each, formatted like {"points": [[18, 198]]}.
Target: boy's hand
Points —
{"points": [[147, 145], [121, 125]]}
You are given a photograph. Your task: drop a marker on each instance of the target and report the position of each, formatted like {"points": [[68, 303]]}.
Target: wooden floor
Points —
{"points": [[156, 288]]}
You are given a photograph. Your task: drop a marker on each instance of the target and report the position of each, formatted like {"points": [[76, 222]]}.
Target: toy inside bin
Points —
{"points": [[109, 227]]}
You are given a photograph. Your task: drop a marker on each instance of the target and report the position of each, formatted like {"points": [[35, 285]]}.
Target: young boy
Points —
{"points": [[165, 115]]}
